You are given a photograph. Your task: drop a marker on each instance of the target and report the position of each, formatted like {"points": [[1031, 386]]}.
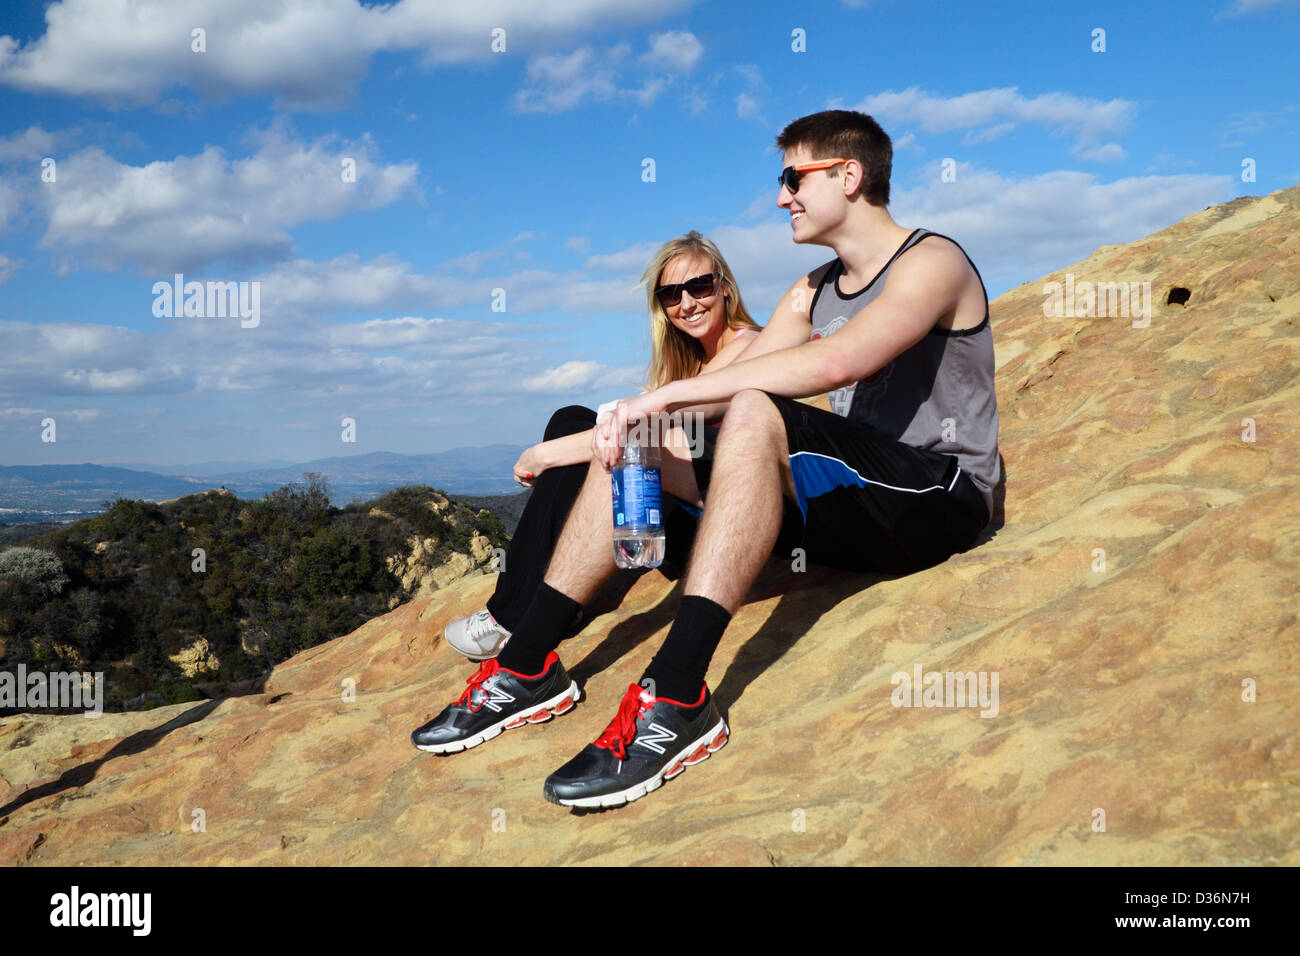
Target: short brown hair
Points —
{"points": [[851, 135]]}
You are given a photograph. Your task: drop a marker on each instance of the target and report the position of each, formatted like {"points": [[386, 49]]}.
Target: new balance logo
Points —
{"points": [[654, 735], [496, 696]]}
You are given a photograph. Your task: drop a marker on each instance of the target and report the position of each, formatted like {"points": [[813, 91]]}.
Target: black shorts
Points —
{"points": [[865, 502]]}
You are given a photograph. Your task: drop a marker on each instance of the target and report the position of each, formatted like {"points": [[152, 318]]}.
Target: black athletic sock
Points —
{"points": [[547, 620], [678, 669]]}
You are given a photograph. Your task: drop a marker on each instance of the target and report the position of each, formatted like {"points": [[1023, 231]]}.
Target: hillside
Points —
{"points": [[1138, 606], [200, 596]]}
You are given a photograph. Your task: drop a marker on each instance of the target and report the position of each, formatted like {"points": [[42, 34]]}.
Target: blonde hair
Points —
{"points": [[674, 354]]}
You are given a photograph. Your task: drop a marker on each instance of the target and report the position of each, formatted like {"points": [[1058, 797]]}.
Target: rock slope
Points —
{"points": [[1138, 607]]}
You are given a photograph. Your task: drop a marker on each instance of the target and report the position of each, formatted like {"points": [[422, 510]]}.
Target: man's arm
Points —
{"points": [[790, 325], [922, 286], [791, 321]]}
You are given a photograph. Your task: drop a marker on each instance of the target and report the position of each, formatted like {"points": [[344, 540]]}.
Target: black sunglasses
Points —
{"points": [[701, 287]]}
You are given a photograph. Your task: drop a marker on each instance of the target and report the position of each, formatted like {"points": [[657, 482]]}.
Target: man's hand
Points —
{"points": [[611, 429]]}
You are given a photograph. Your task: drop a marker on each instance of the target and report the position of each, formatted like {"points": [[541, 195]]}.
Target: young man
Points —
{"points": [[896, 478]]}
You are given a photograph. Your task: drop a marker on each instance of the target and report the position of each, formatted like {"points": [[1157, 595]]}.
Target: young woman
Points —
{"points": [[698, 323]]}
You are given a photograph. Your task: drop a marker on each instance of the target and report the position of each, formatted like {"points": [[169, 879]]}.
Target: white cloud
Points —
{"points": [[991, 113], [33, 143], [8, 267], [1245, 126], [307, 53], [1163, 162], [555, 83], [83, 358], [383, 358], [580, 377], [299, 355], [306, 288], [762, 206], [9, 203], [1106, 153], [1253, 6], [749, 103], [410, 332], [1019, 229], [193, 211], [558, 83], [633, 259], [95, 380], [676, 51], [695, 102], [747, 107], [472, 262], [987, 134], [346, 283]]}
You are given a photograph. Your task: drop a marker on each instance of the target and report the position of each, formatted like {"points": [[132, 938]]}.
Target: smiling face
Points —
{"points": [[818, 206], [702, 319]]}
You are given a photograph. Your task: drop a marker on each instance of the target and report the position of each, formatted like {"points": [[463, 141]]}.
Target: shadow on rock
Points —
{"points": [[137, 743], [627, 635], [804, 598]]}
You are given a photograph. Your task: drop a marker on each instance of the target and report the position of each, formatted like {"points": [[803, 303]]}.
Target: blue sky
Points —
{"points": [[522, 170]]}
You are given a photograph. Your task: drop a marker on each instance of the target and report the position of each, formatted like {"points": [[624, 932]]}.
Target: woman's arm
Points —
{"points": [[572, 449]]}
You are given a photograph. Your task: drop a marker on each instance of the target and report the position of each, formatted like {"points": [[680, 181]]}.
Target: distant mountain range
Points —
{"points": [[65, 492]]}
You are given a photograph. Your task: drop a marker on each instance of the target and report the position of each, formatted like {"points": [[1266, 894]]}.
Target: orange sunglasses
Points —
{"points": [[789, 177]]}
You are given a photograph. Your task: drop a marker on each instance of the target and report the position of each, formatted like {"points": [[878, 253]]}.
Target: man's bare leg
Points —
{"points": [[751, 472], [742, 520]]}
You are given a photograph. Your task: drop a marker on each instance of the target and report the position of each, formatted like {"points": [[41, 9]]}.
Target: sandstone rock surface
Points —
{"points": [[1138, 607]]}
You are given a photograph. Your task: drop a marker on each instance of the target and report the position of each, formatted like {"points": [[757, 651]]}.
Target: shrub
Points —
{"points": [[33, 570]]}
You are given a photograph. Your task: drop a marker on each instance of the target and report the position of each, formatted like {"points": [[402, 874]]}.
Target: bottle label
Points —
{"points": [[637, 499]]}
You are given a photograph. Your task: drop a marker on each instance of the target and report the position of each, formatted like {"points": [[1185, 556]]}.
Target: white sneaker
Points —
{"points": [[479, 637]]}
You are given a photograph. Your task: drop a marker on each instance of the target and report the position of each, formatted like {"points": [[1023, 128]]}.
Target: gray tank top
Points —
{"points": [[937, 396]]}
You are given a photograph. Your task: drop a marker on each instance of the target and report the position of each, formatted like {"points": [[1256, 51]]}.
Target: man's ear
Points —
{"points": [[852, 165]]}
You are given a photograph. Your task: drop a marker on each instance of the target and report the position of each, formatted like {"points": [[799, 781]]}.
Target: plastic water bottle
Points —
{"points": [[638, 506]]}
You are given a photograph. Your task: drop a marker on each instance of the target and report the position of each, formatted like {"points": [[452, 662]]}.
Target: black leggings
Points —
{"points": [[554, 493]]}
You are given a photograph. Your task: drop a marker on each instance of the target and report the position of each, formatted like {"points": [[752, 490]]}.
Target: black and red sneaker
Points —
{"points": [[650, 740], [498, 699]]}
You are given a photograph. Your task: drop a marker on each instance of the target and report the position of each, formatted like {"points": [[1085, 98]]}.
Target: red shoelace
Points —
{"points": [[622, 729], [485, 670]]}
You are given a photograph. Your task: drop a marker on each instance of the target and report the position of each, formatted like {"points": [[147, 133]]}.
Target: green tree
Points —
{"points": [[335, 563]]}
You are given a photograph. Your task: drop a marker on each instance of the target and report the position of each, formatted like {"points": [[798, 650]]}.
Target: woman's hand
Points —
{"points": [[529, 466], [611, 429], [603, 437]]}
